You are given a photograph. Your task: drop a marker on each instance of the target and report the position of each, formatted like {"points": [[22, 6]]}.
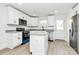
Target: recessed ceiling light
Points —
{"points": [[34, 14], [19, 3], [56, 11]]}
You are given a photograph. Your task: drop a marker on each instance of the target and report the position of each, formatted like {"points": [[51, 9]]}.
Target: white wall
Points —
{"points": [[3, 18]]}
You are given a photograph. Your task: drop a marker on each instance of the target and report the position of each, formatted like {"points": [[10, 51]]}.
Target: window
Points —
{"points": [[59, 24]]}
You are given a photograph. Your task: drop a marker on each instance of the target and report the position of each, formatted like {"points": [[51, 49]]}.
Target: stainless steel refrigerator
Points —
{"points": [[74, 32]]}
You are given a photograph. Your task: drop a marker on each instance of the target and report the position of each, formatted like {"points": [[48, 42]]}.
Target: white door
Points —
{"points": [[59, 33]]}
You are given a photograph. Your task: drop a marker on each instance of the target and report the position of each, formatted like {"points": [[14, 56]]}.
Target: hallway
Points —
{"points": [[58, 47]]}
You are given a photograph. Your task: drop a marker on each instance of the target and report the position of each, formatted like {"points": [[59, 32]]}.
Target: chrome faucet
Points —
{"points": [[43, 28]]}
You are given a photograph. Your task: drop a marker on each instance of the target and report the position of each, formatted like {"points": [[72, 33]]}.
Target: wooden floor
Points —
{"points": [[58, 47]]}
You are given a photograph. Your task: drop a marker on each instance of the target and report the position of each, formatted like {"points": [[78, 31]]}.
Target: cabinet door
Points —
{"points": [[12, 16], [9, 40], [16, 17], [76, 9], [33, 21], [19, 35], [15, 39], [36, 46], [28, 20], [24, 16], [12, 40], [51, 21], [21, 15]]}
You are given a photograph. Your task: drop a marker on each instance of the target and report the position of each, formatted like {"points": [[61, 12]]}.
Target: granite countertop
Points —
{"points": [[38, 33], [12, 31], [47, 30]]}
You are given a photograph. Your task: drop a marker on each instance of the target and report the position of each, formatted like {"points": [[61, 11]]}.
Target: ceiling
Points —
{"points": [[43, 9]]}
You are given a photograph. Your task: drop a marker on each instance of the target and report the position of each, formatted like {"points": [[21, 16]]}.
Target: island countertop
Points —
{"points": [[38, 32]]}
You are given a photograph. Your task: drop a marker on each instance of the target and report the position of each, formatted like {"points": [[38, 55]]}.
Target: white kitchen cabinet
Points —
{"points": [[38, 42], [51, 21], [76, 9], [28, 20], [33, 21], [14, 39], [23, 16], [14, 15]]}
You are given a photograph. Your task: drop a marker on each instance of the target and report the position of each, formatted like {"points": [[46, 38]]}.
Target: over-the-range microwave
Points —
{"points": [[22, 22]]}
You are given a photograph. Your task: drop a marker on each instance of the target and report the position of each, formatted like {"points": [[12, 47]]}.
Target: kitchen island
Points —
{"points": [[38, 42], [49, 30]]}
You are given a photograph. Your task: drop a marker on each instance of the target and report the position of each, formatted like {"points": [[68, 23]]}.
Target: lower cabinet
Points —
{"points": [[38, 43], [14, 39]]}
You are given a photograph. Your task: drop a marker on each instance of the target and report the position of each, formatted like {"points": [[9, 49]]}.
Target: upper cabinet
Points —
{"points": [[14, 15], [51, 21], [32, 21], [23, 16], [76, 9]]}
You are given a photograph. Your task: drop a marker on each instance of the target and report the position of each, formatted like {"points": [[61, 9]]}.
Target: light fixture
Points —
{"points": [[71, 20], [56, 11], [19, 3], [34, 14]]}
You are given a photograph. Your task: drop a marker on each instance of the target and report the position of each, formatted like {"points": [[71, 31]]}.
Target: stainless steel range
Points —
{"points": [[25, 35]]}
